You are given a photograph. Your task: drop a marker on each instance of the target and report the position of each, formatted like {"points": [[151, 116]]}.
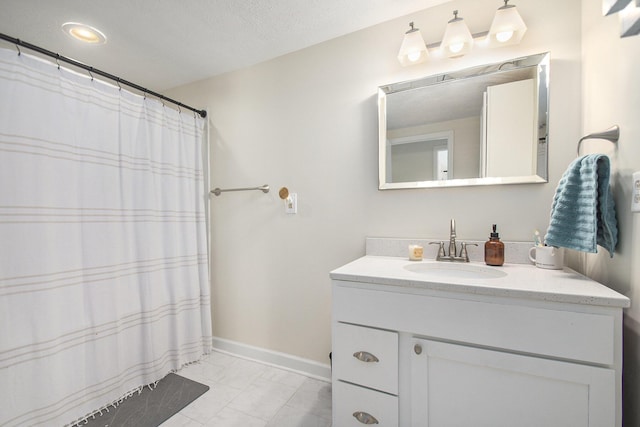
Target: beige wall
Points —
{"points": [[308, 121], [611, 95]]}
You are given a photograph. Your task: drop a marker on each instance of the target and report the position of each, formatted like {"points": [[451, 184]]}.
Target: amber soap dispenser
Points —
{"points": [[494, 249]]}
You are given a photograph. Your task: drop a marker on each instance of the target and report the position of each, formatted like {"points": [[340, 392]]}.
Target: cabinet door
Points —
{"points": [[511, 138], [455, 385]]}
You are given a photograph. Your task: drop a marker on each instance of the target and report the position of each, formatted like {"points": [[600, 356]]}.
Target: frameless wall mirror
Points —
{"points": [[479, 126]]}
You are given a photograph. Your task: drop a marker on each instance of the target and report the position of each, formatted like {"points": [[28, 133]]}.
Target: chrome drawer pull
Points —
{"points": [[364, 356], [365, 418]]}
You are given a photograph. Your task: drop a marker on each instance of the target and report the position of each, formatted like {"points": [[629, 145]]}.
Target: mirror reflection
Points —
{"points": [[483, 125]]}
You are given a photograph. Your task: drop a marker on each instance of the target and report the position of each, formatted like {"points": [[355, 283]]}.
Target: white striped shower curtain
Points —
{"points": [[103, 251]]}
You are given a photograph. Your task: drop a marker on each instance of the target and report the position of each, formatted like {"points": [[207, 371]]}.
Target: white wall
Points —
{"points": [[611, 95], [466, 146], [308, 121]]}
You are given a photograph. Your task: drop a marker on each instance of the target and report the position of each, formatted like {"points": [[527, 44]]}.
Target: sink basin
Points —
{"points": [[443, 270]]}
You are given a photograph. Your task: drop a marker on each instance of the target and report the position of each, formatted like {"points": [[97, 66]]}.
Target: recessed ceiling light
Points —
{"points": [[84, 33]]}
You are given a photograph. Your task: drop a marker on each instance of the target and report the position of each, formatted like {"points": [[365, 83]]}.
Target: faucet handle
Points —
{"points": [[441, 253], [463, 251]]}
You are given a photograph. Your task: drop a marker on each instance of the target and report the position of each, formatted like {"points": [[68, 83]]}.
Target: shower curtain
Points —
{"points": [[103, 250]]}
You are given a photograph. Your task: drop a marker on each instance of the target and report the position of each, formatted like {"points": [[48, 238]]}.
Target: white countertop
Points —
{"points": [[521, 281]]}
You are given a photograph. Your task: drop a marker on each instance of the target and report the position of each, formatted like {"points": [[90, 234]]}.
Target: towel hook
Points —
{"points": [[612, 135]]}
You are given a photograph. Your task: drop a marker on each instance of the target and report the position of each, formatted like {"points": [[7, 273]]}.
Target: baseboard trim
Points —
{"points": [[286, 361]]}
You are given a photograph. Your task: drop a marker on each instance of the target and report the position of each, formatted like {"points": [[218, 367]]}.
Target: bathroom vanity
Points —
{"points": [[462, 344]]}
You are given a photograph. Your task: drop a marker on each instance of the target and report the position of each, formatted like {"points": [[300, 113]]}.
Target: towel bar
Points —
{"points": [[263, 188], [612, 135]]}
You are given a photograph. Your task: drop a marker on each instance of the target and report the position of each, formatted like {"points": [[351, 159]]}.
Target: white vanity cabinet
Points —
{"points": [[408, 352]]}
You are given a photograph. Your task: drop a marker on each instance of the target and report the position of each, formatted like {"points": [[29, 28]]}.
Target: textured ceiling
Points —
{"points": [[162, 44]]}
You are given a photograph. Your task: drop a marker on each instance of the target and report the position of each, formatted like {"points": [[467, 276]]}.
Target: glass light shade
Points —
{"points": [[457, 40], [610, 7], [413, 49], [507, 27], [630, 20]]}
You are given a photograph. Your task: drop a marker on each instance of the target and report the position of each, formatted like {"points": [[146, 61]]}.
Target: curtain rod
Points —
{"points": [[91, 70]]}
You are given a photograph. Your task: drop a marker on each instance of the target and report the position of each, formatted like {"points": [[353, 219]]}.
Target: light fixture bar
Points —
{"points": [[475, 36]]}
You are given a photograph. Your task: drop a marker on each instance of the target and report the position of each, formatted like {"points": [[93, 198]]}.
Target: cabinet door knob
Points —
{"points": [[365, 418], [364, 356], [417, 348]]}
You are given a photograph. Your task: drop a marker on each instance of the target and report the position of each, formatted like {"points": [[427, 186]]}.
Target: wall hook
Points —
{"points": [[283, 193]]}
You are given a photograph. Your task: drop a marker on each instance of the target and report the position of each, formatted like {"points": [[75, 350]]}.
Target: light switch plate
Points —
{"points": [[635, 193], [291, 203]]}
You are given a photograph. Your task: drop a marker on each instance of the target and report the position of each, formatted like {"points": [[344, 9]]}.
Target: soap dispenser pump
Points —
{"points": [[494, 249]]}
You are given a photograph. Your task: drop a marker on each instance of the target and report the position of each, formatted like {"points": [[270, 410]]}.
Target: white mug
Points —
{"points": [[548, 257]]}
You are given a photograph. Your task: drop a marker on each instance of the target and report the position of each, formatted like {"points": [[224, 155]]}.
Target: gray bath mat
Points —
{"points": [[151, 408]]}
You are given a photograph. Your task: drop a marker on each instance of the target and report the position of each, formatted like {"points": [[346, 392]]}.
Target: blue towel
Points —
{"points": [[583, 212]]}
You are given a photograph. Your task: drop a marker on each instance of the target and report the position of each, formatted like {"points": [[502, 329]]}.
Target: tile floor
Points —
{"points": [[250, 394]]}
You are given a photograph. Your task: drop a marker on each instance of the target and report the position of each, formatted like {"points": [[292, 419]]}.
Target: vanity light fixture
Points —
{"points": [[413, 49], [84, 33], [507, 27], [457, 40]]}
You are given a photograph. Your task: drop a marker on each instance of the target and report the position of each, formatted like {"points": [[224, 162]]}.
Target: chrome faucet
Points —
{"points": [[452, 239], [453, 251]]}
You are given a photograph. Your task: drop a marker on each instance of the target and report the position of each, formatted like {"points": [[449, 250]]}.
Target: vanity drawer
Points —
{"points": [[366, 356], [351, 401]]}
